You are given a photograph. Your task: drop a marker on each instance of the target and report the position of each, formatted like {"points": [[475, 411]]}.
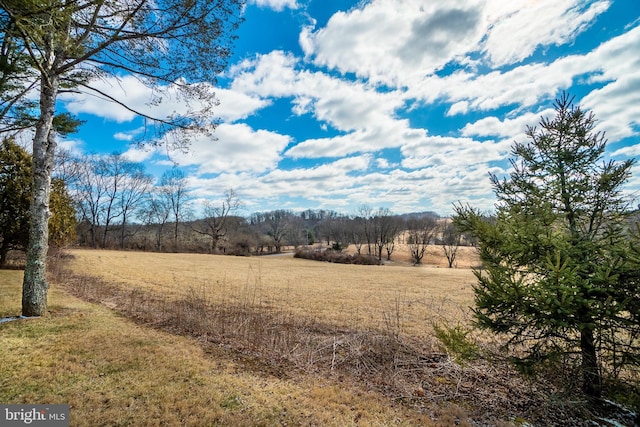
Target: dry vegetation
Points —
{"points": [[347, 296], [115, 372], [262, 341]]}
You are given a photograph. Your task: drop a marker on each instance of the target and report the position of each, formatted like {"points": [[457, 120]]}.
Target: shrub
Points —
{"points": [[329, 255], [455, 340]]}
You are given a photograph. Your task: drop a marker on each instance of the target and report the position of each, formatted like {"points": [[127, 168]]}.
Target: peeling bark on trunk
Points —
{"points": [[35, 285]]}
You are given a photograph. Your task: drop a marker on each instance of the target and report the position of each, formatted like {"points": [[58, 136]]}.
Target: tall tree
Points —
{"points": [[560, 274], [215, 222], [174, 47], [174, 191], [62, 225], [420, 233], [15, 190]]}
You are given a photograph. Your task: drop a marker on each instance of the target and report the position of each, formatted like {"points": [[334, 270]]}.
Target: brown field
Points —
{"points": [[351, 296], [114, 372], [187, 339]]}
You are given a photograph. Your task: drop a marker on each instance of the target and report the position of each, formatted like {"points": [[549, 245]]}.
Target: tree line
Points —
{"points": [[107, 201]]}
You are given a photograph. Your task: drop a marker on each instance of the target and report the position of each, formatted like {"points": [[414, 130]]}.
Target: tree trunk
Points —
{"points": [[591, 381], [3, 255], [35, 286]]}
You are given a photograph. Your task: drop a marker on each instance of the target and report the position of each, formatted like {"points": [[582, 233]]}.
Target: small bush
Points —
{"points": [[329, 255], [455, 341]]}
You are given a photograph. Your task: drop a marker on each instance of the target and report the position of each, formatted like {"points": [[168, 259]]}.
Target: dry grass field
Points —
{"points": [[348, 296], [114, 372], [186, 339]]}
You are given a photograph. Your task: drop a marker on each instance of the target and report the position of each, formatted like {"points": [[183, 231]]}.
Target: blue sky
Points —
{"points": [[403, 104]]}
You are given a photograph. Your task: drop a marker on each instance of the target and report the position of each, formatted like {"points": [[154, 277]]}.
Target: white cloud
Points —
{"points": [[363, 76], [507, 128], [383, 163], [277, 5], [365, 116], [161, 102], [388, 41], [457, 154], [617, 104], [372, 139], [460, 107], [617, 107], [237, 148], [123, 136], [137, 154], [129, 135], [236, 105], [397, 42], [518, 27]]}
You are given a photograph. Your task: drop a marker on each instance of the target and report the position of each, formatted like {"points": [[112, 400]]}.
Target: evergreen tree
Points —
{"points": [[15, 196], [560, 271], [62, 224]]}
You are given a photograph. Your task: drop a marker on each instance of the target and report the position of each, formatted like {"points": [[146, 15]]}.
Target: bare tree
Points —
{"points": [[216, 216], [450, 241], [276, 225], [364, 217], [394, 228], [337, 230], [156, 213], [90, 192], [114, 171], [135, 188], [68, 167], [174, 47], [383, 230], [420, 233], [173, 188]]}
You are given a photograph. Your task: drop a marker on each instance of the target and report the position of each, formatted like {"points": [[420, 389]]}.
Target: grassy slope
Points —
{"points": [[114, 372]]}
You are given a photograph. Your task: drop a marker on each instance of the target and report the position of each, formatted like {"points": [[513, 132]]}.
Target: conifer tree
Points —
{"points": [[15, 195], [560, 268]]}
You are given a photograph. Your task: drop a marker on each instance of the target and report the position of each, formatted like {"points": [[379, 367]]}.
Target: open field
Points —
{"points": [[211, 340], [349, 296], [115, 372]]}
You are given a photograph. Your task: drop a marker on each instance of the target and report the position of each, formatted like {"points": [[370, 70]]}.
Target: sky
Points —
{"points": [[401, 104]]}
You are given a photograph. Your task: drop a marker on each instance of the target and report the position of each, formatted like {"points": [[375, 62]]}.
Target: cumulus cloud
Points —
{"points": [[398, 41], [160, 102], [237, 148], [455, 153], [518, 27], [506, 128], [277, 5], [135, 154], [390, 41], [363, 75], [365, 116], [236, 105]]}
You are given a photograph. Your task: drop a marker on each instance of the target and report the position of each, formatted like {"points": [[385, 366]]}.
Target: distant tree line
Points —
{"points": [[108, 201]]}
